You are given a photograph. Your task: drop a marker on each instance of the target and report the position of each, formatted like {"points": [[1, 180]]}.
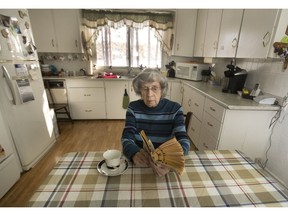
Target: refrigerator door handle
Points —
{"points": [[9, 83]]}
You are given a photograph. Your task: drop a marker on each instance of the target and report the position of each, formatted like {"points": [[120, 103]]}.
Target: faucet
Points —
{"points": [[129, 71]]}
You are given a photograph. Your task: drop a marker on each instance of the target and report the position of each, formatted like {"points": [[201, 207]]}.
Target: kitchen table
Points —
{"points": [[211, 179]]}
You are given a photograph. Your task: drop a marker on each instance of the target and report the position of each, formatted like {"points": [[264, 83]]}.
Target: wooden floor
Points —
{"points": [[97, 135]]}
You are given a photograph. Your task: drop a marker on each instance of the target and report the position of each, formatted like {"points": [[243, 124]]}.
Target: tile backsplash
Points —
{"points": [[268, 73]]}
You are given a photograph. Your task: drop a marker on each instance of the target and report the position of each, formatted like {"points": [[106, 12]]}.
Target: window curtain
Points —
{"points": [[161, 21]]}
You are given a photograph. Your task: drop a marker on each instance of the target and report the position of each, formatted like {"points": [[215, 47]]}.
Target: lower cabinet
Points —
{"points": [[86, 99], [215, 127], [114, 98]]}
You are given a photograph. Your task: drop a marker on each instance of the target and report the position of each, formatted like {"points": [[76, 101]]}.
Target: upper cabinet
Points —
{"points": [[200, 32], [56, 30], [212, 32], [229, 32], [207, 32], [281, 31], [256, 33], [185, 26]]}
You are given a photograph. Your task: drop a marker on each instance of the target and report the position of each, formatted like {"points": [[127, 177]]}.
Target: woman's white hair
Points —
{"points": [[150, 75]]}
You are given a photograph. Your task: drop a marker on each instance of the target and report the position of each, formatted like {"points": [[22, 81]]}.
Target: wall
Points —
{"points": [[272, 79]]}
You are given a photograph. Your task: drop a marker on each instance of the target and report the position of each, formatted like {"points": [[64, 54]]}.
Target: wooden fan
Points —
{"points": [[169, 153]]}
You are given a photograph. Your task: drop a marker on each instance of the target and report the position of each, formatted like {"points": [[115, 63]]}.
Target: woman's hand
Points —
{"points": [[159, 169], [141, 158]]}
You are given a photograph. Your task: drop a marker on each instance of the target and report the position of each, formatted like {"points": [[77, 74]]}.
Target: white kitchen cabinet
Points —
{"points": [[176, 91], [200, 32], [217, 127], [114, 98], [56, 30], [185, 32], [212, 32], [279, 32], [229, 32], [131, 92], [43, 30], [207, 32], [256, 33], [86, 99]]}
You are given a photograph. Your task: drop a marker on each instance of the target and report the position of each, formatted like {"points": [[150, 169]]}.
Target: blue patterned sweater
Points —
{"points": [[160, 124]]}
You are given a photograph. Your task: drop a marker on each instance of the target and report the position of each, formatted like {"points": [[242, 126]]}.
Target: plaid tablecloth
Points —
{"points": [[211, 178]]}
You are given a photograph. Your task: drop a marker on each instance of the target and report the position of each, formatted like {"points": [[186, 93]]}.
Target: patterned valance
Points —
{"points": [[160, 20]]}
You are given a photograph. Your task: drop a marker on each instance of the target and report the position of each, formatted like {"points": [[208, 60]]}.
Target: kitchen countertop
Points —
{"points": [[228, 100]]}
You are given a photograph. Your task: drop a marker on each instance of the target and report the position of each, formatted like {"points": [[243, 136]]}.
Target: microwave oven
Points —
{"points": [[190, 71]]}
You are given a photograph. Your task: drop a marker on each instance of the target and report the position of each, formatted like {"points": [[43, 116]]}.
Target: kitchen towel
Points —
{"points": [[126, 100]]}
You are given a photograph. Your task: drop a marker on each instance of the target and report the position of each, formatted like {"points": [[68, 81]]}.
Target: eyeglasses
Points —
{"points": [[154, 89]]}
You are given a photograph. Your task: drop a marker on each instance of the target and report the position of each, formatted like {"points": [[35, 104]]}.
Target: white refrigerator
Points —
{"points": [[24, 105]]}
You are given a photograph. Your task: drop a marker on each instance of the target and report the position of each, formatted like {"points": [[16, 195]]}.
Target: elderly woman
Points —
{"points": [[160, 118]]}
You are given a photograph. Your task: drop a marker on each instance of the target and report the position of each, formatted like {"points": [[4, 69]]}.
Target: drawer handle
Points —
{"points": [[197, 105], [204, 144], [192, 129], [88, 110], [211, 108], [211, 125], [87, 95]]}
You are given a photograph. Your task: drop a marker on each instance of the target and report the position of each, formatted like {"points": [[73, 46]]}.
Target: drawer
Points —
{"points": [[84, 83], [214, 109], [88, 110], [211, 124], [194, 129], [197, 104], [206, 141], [86, 95]]}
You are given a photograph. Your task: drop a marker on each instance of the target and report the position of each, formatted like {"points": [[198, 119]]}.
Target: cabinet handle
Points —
{"points": [[177, 47], [209, 124], [234, 42], [192, 129], [87, 95], [264, 41], [204, 144], [52, 42], [197, 105], [211, 108], [76, 43], [189, 102], [88, 110], [215, 45]]}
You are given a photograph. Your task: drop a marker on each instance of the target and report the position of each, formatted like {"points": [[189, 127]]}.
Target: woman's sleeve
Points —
{"points": [[128, 136]]}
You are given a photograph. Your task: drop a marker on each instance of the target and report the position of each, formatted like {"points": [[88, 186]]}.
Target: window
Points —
{"points": [[127, 38], [128, 47]]}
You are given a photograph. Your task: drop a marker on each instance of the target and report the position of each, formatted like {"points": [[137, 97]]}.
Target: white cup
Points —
{"points": [[112, 158]]}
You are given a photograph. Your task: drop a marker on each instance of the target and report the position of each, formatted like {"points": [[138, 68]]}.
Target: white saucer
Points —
{"points": [[104, 170]]}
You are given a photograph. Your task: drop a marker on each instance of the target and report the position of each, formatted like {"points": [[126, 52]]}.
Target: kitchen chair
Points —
{"points": [[187, 116], [59, 108]]}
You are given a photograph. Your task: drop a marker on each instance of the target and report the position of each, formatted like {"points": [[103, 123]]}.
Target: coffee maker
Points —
{"points": [[234, 79]]}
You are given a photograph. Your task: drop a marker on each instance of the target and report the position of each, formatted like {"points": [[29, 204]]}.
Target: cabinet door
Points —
{"points": [[229, 32], [67, 28], [114, 99], [256, 32], [187, 91], [212, 32], [200, 32], [131, 93], [176, 92], [43, 30], [280, 30], [185, 32]]}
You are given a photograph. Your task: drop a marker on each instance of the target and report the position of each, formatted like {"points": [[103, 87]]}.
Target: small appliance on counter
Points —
{"points": [[234, 79], [190, 71]]}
